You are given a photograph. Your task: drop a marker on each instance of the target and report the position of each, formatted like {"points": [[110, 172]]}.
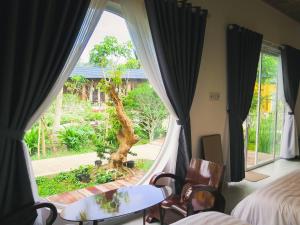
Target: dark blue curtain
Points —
{"points": [[243, 50], [36, 39], [291, 74], [178, 31]]}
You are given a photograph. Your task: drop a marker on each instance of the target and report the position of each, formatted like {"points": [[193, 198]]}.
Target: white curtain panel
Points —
{"points": [[91, 19], [135, 14], [289, 142]]}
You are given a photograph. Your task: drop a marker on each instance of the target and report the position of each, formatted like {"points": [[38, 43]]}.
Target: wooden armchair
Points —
{"points": [[27, 215], [201, 190]]}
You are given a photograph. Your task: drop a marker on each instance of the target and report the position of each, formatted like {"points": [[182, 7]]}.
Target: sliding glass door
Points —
{"points": [[263, 125]]}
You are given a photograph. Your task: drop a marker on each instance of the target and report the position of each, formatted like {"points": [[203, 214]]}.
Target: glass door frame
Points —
{"points": [[275, 52]]}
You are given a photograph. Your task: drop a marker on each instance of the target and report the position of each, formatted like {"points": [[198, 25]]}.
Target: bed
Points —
{"points": [[276, 204], [210, 218]]}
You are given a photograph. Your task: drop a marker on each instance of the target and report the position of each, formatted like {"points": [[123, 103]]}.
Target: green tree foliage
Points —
{"points": [[269, 69], [147, 111], [75, 84], [111, 52]]}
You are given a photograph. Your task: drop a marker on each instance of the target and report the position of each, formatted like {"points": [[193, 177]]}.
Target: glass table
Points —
{"points": [[115, 203]]}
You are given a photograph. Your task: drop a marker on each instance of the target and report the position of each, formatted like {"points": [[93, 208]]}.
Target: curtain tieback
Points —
{"points": [[291, 113], [11, 133], [182, 123], [179, 122]]}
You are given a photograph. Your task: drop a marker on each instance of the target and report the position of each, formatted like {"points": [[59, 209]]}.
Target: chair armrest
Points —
{"points": [[53, 211], [205, 188], [158, 176], [219, 204]]}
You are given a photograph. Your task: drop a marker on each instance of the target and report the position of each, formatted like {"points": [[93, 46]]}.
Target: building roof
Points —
{"points": [[95, 72]]}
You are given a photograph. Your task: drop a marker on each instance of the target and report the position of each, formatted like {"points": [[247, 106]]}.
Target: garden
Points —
{"points": [[266, 102], [76, 124]]}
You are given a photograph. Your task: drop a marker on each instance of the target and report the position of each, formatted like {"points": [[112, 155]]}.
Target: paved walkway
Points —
{"points": [[51, 166]]}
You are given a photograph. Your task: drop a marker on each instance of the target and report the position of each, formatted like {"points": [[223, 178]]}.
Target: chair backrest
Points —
{"points": [[28, 214], [205, 172], [212, 148]]}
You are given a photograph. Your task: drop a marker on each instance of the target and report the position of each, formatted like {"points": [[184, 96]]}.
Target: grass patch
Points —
{"points": [[143, 164], [69, 181]]}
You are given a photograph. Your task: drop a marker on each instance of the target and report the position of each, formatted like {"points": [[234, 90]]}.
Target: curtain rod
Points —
{"points": [[273, 45], [266, 42]]}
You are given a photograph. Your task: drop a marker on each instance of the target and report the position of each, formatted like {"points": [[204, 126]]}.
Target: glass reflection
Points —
{"points": [[83, 216], [110, 202], [119, 202]]}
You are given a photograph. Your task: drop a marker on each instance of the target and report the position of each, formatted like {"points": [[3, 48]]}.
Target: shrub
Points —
{"points": [[69, 181], [31, 139], [83, 173], [104, 177], [94, 116], [266, 133], [147, 111], [75, 137]]}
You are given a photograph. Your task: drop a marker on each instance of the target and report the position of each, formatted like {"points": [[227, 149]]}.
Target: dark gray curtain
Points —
{"points": [[178, 31], [243, 50], [291, 74], [36, 39]]}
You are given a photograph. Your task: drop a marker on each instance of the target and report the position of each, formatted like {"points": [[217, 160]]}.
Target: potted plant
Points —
{"points": [[83, 174], [129, 164], [102, 151]]}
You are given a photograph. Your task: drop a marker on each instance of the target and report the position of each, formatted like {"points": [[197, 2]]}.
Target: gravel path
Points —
{"points": [[61, 164]]}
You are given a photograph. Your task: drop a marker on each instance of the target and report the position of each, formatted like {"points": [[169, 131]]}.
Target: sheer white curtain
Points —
{"points": [[135, 14], [289, 140], [91, 19]]}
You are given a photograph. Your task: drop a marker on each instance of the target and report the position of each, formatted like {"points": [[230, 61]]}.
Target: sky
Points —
{"points": [[109, 25]]}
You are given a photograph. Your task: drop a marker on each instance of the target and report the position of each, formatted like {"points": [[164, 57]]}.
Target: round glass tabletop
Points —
{"points": [[115, 203]]}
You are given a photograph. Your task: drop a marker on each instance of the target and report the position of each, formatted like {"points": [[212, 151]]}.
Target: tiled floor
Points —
{"points": [[262, 157]]}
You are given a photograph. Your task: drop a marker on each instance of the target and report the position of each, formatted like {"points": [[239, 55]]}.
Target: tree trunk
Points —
{"points": [[83, 93], [57, 118], [126, 136], [91, 92], [43, 139], [99, 96], [39, 140]]}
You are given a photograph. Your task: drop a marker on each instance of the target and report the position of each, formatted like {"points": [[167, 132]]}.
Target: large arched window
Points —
{"points": [[71, 145]]}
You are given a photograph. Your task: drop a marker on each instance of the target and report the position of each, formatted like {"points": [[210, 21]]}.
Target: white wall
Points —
{"points": [[209, 116]]}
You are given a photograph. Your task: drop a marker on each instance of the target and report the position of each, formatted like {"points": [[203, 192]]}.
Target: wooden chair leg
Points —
{"points": [[161, 215]]}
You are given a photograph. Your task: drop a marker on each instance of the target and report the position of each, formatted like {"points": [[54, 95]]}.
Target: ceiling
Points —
{"points": [[289, 7]]}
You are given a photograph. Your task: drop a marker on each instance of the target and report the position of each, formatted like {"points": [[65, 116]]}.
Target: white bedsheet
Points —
{"points": [[276, 204], [210, 218]]}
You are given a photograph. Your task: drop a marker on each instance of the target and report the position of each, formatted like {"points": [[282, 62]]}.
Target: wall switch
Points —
{"points": [[214, 96]]}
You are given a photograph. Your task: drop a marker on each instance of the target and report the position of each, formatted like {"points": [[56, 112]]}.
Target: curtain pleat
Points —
{"points": [[243, 51], [36, 39], [178, 31]]}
